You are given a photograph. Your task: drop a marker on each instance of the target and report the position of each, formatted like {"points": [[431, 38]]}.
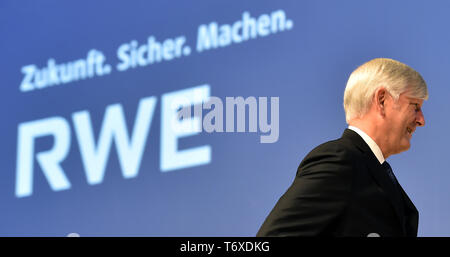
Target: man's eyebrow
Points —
{"points": [[417, 104], [415, 100]]}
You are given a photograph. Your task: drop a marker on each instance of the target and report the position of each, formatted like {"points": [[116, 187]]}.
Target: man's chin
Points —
{"points": [[405, 146]]}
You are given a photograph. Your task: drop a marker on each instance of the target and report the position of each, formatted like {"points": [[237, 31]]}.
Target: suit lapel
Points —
{"points": [[392, 193], [379, 175]]}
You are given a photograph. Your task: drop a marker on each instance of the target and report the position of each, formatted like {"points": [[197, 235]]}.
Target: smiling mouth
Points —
{"points": [[409, 130]]}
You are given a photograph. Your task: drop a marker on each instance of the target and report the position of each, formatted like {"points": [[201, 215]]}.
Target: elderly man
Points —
{"points": [[345, 187]]}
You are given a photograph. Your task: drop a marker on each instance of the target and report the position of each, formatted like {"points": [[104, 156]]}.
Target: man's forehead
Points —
{"points": [[408, 95], [413, 99]]}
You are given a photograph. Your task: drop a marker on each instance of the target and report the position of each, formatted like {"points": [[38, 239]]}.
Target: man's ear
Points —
{"points": [[380, 99]]}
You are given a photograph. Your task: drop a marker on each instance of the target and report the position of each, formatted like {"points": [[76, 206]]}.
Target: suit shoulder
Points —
{"points": [[336, 154], [341, 146]]}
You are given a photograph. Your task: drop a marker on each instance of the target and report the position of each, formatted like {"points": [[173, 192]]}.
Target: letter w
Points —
{"points": [[113, 128]]}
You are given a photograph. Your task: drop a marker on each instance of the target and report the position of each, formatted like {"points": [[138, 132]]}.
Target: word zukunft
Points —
{"points": [[176, 122], [56, 74]]}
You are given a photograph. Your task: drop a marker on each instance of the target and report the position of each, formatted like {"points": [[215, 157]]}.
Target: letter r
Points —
{"points": [[48, 160]]}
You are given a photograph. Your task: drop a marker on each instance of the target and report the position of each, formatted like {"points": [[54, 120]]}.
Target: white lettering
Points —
{"points": [[172, 129], [49, 161], [56, 74], [132, 55], [212, 36], [113, 129], [27, 84]]}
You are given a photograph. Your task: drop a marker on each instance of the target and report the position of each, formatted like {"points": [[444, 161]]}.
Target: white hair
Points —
{"points": [[394, 76]]}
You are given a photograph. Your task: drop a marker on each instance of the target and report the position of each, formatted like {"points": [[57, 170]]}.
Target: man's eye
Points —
{"points": [[416, 107]]}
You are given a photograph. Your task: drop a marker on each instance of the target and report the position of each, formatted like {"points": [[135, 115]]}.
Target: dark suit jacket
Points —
{"points": [[341, 189]]}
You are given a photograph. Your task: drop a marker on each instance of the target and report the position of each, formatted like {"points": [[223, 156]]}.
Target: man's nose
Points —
{"points": [[420, 119]]}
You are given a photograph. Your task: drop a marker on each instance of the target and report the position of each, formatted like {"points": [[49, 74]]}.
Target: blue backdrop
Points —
{"points": [[61, 60]]}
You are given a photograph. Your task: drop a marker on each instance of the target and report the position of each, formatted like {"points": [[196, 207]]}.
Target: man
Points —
{"points": [[345, 187]]}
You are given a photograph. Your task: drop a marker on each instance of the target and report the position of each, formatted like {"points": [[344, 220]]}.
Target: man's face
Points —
{"points": [[402, 119]]}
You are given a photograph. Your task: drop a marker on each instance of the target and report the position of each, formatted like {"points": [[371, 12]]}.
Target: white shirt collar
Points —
{"points": [[369, 141]]}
